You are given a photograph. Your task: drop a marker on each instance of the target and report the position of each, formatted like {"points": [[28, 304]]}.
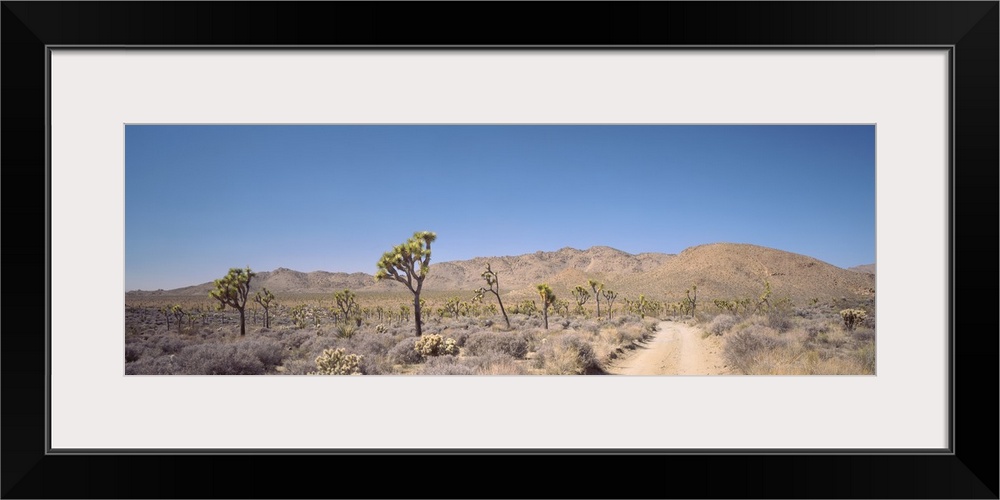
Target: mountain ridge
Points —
{"points": [[720, 270]]}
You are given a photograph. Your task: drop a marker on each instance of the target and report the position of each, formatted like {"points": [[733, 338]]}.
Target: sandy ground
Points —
{"points": [[676, 349]]}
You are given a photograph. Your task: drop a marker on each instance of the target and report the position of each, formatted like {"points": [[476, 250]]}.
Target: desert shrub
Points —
{"points": [[269, 352], [863, 334], [815, 327], [132, 353], [722, 324], [568, 354], [779, 320], [852, 317], [293, 339], [494, 363], [345, 329], [375, 365], [445, 366], [162, 365], [299, 366], [868, 321], [337, 362], [435, 345], [512, 344], [866, 357], [373, 344], [591, 327], [170, 344], [460, 336], [742, 349], [404, 353], [219, 359]]}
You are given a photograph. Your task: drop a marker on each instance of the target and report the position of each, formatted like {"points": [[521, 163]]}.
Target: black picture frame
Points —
{"points": [[969, 470]]}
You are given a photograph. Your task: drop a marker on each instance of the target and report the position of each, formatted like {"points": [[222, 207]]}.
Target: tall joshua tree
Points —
{"points": [[494, 287], [408, 264], [597, 288], [548, 298], [232, 290]]}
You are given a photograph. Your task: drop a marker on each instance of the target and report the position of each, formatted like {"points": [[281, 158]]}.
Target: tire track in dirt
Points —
{"points": [[676, 349]]}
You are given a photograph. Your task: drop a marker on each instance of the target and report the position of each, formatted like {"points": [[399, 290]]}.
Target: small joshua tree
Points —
{"points": [[548, 298], [582, 296], [494, 287], [408, 264], [692, 301], [233, 290], [597, 288], [609, 298], [264, 297]]}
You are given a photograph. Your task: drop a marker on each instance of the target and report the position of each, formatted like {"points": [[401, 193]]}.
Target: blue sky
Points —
{"points": [[200, 199]]}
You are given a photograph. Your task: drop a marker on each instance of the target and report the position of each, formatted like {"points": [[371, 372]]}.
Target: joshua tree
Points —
{"points": [[264, 297], [597, 288], [763, 302], [233, 290], [178, 313], [609, 298], [548, 298], [582, 296], [494, 287], [346, 302], [692, 301], [408, 264]]}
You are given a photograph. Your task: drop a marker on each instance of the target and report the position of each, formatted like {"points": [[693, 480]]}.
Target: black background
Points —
{"points": [[971, 472]]}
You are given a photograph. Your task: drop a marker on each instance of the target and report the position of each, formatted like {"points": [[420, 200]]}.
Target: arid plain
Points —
{"points": [[714, 309]]}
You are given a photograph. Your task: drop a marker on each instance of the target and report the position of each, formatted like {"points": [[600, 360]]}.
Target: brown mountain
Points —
{"points": [[720, 270], [731, 270]]}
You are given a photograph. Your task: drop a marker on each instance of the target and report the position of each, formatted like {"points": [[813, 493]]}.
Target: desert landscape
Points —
{"points": [[715, 309], [536, 249]]}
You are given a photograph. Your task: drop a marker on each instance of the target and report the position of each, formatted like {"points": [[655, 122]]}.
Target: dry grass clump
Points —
{"points": [[567, 354]]}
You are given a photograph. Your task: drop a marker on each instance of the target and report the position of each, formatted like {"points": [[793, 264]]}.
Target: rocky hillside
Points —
{"points": [[720, 270]]}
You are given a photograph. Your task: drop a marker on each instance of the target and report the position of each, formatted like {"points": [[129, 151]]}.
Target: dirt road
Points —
{"points": [[676, 349]]}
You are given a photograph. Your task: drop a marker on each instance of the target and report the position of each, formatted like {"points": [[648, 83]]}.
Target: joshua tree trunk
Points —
{"points": [[416, 313]]}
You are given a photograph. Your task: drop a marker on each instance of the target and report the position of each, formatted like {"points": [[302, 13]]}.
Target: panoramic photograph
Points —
{"points": [[500, 250]]}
